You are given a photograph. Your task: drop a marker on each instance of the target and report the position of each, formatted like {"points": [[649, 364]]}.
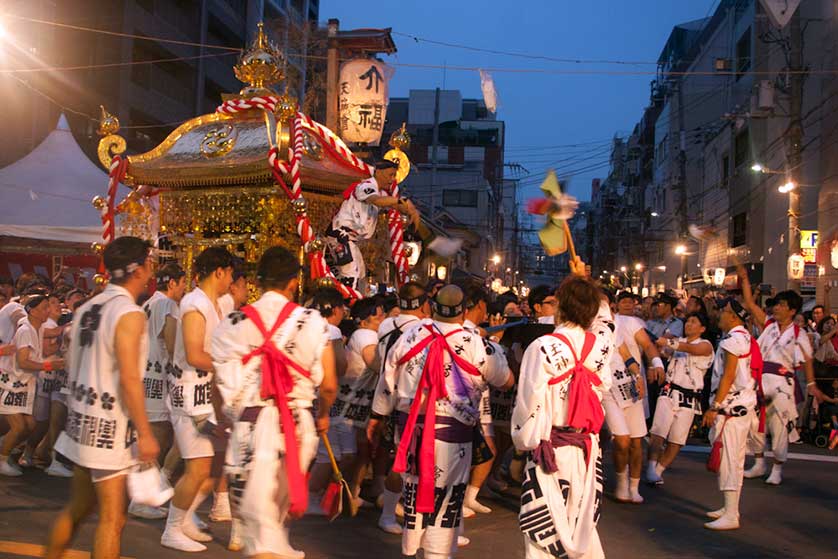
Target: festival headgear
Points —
{"points": [[34, 301], [382, 164], [413, 303], [448, 311], [169, 272], [737, 308], [117, 256], [129, 269]]}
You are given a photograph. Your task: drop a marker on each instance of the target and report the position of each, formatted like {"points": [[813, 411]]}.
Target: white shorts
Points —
{"points": [[97, 475], [190, 442], [17, 400], [40, 409], [341, 438], [629, 421], [672, 422]]}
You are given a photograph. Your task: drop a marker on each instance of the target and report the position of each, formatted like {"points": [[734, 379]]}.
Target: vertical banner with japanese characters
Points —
{"points": [[362, 100]]}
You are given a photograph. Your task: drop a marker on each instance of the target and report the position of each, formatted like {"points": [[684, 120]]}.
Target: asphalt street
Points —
{"points": [[797, 519]]}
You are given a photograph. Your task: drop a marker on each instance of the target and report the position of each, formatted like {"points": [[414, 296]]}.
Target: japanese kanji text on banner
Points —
{"points": [[362, 100]]}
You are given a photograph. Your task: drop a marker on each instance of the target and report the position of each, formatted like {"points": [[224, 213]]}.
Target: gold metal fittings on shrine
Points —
{"points": [[218, 142], [260, 65], [111, 144], [399, 140]]}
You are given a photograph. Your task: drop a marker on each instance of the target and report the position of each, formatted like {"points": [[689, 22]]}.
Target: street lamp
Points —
{"points": [[496, 259], [638, 266], [757, 168], [680, 250], [787, 187], [623, 269], [654, 214]]}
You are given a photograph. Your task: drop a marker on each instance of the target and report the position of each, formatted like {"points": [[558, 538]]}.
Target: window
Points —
{"points": [[725, 170], [462, 198], [743, 53], [740, 230], [742, 148]]}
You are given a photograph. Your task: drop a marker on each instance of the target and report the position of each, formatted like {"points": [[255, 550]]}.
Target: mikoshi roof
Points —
{"points": [[52, 185]]}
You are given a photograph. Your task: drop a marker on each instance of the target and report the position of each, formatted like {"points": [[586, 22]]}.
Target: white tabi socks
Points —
{"points": [[757, 470], [634, 490], [387, 520], [621, 493], [471, 500], [729, 520], [220, 511], [191, 525], [173, 535], [776, 477]]}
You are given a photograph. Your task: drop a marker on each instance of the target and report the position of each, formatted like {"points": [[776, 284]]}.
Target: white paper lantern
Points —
{"points": [[796, 266], [719, 276], [362, 100]]}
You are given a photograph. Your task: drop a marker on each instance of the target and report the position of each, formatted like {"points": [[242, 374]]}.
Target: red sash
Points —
{"points": [[432, 380], [350, 190], [584, 408], [277, 382], [756, 373]]}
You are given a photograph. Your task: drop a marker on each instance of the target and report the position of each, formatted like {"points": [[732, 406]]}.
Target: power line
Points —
{"points": [[519, 54], [119, 34], [110, 65]]}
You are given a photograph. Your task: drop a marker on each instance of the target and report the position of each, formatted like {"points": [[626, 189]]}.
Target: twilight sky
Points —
{"points": [[544, 112]]}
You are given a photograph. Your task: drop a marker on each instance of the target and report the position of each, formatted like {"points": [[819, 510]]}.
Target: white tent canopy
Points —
{"points": [[53, 185]]}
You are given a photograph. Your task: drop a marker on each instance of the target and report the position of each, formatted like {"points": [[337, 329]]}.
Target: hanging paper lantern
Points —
{"points": [[707, 275], [719, 277], [796, 266], [833, 255]]}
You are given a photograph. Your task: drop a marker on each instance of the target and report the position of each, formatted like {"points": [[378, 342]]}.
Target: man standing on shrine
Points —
{"points": [[357, 219]]}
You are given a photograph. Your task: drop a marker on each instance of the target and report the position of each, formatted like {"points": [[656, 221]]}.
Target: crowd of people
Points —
{"points": [[236, 401]]}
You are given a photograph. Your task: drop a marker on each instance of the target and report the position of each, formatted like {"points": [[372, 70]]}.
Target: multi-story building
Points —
{"points": [[185, 79], [728, 93], [459, 162]]}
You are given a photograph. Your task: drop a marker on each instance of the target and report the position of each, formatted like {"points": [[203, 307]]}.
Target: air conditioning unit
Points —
{"points": [[765, 95]]}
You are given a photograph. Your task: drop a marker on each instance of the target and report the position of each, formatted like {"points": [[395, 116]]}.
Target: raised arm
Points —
{"points": [[703, 349], [655, 372], [748, 295]]}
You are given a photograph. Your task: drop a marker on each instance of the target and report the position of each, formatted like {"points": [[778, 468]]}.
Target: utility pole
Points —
{"points": [[434, 147], [794, 136], [682, 177], [332, 71]]}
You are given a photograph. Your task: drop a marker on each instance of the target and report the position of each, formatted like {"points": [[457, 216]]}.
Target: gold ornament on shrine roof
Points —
{"points": [[260, 65], [111, 144], [99, 203], [400, 139], [108, 123], [286, 107]]}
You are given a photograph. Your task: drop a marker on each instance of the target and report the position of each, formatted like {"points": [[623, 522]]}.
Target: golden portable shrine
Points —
{"points": [[254, 174]]}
